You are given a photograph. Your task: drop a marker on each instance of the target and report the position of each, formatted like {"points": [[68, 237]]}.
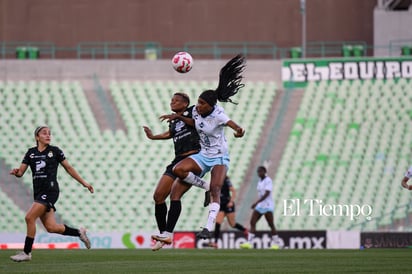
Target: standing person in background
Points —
{"points": [[186, 142], [210, 121], [406, 178], [227, 209], [44, 159], [264, 206]]}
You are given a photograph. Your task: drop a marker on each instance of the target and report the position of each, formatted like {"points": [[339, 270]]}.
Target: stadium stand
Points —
{"points": [[350, 144], [123, 166]]}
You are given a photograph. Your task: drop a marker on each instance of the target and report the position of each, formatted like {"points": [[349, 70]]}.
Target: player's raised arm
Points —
{"points": [[18, 172], [162, 136], [239, 131]]}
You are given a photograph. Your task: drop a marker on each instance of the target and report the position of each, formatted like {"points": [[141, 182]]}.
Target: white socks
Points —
{"points": [[250, 237], [213, 211], [197, 181]]}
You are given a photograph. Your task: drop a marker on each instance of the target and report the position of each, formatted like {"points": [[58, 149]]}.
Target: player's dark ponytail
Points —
{"points": [[230, 79]]}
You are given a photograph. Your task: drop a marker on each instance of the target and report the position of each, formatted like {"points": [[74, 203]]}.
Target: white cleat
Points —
{"points": [[21, 257], [83, 237], [164, 239], [158, 245]]}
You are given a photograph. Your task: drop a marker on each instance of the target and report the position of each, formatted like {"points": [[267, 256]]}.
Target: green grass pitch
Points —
{"points": [[211, 261]]}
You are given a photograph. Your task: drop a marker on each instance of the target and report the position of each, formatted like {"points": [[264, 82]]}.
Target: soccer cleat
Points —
{"points": [[158, 245], [164, 239], [204, 234], [214, 245], [21, 257], [246, 245], [277, 242], [206, 202], [83, 237]]}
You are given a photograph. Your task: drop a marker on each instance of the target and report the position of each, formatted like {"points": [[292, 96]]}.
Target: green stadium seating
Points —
{"points": [[123, 167], [350, 144]]}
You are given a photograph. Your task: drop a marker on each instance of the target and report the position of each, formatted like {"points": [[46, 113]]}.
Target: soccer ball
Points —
{"points": [[182, 62]]}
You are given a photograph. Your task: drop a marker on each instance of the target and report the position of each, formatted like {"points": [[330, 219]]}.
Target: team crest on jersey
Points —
{"points": [[179, 126], [50, 154], [201, 125]]}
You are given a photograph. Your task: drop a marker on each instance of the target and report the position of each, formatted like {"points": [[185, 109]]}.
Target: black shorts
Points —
{"points": [[169, 168], [226, 209], [47, 198]]}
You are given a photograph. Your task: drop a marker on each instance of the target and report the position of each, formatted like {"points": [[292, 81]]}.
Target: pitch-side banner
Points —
{"points": [[386, 239], [298, 73], [263, 240], [181, 239]]}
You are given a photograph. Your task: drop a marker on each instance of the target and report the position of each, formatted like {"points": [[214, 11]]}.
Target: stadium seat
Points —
{"points": [[123, 166], [353, 152]]}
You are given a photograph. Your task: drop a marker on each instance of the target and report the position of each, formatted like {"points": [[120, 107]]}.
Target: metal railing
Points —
{"points": [[205, 50]]}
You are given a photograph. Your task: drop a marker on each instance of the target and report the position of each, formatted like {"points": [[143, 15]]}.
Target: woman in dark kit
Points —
{"points": [[43, 161], [186, 143]]}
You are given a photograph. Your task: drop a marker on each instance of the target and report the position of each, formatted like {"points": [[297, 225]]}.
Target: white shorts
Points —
{"points": [[206, 163]]}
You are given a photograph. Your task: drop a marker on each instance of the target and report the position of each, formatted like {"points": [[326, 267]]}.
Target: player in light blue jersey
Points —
{"points": [[264, 206], [210, 121]]}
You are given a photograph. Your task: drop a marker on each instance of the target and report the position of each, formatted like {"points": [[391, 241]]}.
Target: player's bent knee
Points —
{"points": [[29, 219], [159, 198], [52, 228]]}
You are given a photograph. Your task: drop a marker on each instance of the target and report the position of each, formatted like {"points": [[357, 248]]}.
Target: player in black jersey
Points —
{"points": [[186, 142], [43, 161], [227, 209]]}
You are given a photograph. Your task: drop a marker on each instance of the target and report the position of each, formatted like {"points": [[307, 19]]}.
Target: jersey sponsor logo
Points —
{"points": [[179, 126], [40, 164]]}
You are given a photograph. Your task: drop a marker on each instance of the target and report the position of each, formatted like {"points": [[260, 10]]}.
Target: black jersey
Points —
{"points": [[44, 166], [225, 191], [185, 137]]}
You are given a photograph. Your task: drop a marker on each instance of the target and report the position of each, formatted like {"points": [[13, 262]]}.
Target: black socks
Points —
{"points": [[173, 216], [28, 244], [160, 214], [71, 231]]}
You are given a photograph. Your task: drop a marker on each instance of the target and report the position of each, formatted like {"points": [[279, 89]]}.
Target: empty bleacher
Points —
{"points": [[123, 167], [350, 144]]}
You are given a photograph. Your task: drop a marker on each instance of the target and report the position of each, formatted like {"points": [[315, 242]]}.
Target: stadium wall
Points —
{"points": [[391, 26], [203, 70], [173, 23]]}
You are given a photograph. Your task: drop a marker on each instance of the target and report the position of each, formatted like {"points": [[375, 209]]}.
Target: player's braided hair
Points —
{"points": [[230, 79]]}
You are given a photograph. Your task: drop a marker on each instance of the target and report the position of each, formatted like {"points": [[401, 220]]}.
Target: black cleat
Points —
{"points": [[207, 199], [204, 234]]}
